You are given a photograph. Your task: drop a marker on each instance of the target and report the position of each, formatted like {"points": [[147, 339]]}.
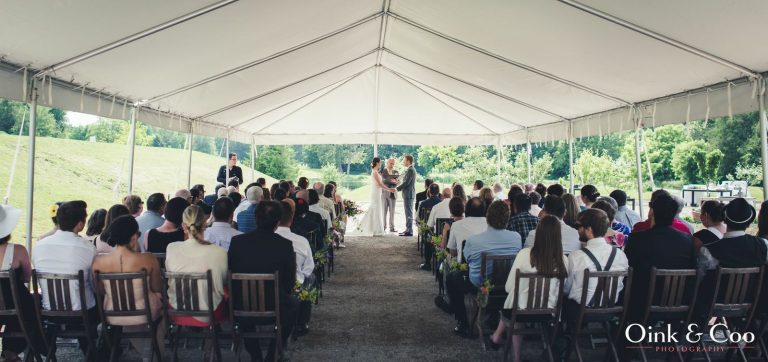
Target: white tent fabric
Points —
{"points": [[388, 71]]}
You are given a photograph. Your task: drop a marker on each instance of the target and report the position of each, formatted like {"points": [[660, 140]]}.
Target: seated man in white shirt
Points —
{"points": [[66, 252], [498, 192], [305, 264], [326, 203], [474, 223], [441, 210], [597, 255], [221, 231], [554, 205]]}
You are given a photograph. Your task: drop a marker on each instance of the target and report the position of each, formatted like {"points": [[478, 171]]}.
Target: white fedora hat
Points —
{"points": [[9, 217]]}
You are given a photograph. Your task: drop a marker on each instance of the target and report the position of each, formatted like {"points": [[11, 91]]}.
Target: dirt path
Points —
{"points": [[378, 306]]}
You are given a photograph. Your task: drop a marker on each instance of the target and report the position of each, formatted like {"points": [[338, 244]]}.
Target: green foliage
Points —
{"points": [[660, 144], [278, 162], [752, 174], [601, 169], [50, 122], [708, 164], [516, 169], [329, 172], [439, 158], [684, 161]]}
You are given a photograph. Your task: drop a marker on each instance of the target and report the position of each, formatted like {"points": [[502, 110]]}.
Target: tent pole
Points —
{"points": [[638, 164], [226, 164], [528, 152], [131, 149], [189, 161], [498, 158], [570, 155], [375, 145], [253, 158], [763, 135], [647, 160], [31, 163]]}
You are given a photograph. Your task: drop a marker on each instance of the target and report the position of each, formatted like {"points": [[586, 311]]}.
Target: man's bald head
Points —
{"points": [[319, 187], [304, 195], [390, 162], [447, 193]]}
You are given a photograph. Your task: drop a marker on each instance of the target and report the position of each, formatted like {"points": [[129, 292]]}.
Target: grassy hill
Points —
{"points": [[97, 173]]}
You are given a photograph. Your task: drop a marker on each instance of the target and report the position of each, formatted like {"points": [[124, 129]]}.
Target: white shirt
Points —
{"points": [[523, 264], [716, 231], [220, 233], [578, 261], [65, 252], [570, 237], [500, 195], [190, 256], [323, 213], [535, 210], [305, 264], [240, 208], [461, 230], [439, 211]]}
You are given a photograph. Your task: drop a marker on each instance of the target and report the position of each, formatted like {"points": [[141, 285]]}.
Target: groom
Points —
{"points": [[408, 187]]}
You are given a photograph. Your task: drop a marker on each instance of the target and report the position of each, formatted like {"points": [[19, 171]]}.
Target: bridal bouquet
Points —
{"points": [[482, 294], [303, 294]]}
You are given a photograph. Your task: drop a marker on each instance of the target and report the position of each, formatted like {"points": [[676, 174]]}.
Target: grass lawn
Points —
{"points": [[97, 173]]}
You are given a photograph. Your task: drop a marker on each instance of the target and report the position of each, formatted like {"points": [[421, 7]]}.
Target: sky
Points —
{"points": [[80, 119]]}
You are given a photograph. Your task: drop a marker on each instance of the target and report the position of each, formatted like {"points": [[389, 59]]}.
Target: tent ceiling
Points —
{"points": [[401, 72]]}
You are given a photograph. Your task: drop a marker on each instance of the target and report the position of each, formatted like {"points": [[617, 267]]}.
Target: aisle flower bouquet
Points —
{"points": [[320, 257], [482, 294], [351, 209], [303, 294], [455, 265], [423, 227]]}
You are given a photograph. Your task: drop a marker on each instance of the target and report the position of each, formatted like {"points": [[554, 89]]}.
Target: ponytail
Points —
{"points": [[194, 222]]}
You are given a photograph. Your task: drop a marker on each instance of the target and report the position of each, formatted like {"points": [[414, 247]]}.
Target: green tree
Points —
{"points": [[439, 158], [277, 161], [684, 160], [708, 165]]}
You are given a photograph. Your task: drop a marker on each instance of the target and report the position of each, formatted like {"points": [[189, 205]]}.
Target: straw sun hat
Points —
{"points": [[9, 217]]}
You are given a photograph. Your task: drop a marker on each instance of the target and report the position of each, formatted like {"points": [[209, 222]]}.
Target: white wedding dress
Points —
{"points": [[373, 221]]}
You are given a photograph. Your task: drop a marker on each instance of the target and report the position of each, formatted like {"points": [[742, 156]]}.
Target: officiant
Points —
{"points": [[235, 172], [388, 199]]}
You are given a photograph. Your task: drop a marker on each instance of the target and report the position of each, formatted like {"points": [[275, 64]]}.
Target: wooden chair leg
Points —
{"points": [[216, 348]]}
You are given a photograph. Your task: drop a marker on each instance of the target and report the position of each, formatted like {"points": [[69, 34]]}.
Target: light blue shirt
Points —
{"points": [[493, 242]]}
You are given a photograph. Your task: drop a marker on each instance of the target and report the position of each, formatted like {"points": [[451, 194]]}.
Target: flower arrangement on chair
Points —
{"points": [[423, 227], [320, 257], [483, 292], [351, 209], [455, 265], [303, 294]]}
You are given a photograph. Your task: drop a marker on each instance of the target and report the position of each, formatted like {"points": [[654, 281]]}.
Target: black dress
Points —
{"points": [[157, 241]]}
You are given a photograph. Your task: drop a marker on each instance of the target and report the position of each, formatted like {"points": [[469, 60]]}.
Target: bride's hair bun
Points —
{"points": [[375, 161]]}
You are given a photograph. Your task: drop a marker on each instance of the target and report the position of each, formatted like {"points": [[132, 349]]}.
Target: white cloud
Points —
{"points": [[81, 119]]}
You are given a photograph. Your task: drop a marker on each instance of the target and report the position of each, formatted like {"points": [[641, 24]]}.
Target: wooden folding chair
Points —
{"points": [[536, 311], [671, 299], [319, 269], [120, 288], [160, 260], [498, 266], [603, 308], [10, 309], [439, 224], [735, 297], [423, 215], [186, 287], [249, 307], [62, 320]]}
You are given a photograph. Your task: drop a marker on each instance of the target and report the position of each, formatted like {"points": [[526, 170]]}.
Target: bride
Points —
{"points": [[373, 222]]}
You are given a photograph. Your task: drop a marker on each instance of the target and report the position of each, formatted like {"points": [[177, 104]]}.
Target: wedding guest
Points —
{"points": [[337, 197], [572, 210], [616, 233], [262, 182], [514, 190], [302, 225], [16, 258], [498, 192], [624, 214], [303, 184], [152, 218], [615, 224], [324, 202], [441, 209], [555, 189], [646, 224], [96, 224], [134, 204], [266, 195], [117, 210], [209, 199], [476, 187], [52, 212], [680, 206], [66, 252], [196, 255], [184, 194], [281, 195], [554, 205], [589, 196], [456, 206], [264, 251], [473, 223], [458, 190], [313, 216], [545, 258], [541, 190], [487, 195], [314, 206], [712, 218], [421, 196], [535, 201], [431, 201], [221, 231], [246, 219], [521, 221], [126, 257], [496, 240], [157, 239]]}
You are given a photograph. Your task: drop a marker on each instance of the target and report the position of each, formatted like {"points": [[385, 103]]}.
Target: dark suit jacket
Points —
{"points": [[235, 171], [428, 203], [264, 252], [421, 196], [660, 247], [408, 185]]}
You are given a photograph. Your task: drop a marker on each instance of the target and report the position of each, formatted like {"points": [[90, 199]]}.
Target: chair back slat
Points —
{"points": [[737, 291], [9, 307], [606, 288], [337, 208], [58, 292], [187, 287], [160, 259], [122, 294], [424, 213], [496, 267], [253, 289], [440, 224], [537, 301]]}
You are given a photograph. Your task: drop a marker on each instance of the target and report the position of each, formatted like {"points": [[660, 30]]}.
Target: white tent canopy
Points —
{"points": [[388, 71], [399, 72]]}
